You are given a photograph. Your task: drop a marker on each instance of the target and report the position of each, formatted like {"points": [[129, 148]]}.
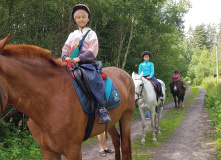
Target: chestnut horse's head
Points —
{"points": [[3, 83]]}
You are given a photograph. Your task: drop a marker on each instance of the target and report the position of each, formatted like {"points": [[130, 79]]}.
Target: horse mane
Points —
{"points": [[32, 52], [25, 51]]}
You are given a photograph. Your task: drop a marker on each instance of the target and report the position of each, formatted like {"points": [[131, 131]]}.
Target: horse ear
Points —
{"points": [[4, 42], [133, 75]]}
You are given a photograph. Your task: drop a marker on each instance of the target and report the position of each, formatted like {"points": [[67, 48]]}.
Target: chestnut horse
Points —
{"points": [[40, 87]]}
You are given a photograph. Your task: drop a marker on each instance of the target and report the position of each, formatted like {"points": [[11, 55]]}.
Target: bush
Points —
{"points": [[17, 143], [213, 103]]}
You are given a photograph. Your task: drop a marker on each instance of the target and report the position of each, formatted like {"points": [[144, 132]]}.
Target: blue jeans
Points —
{"points": [[147, 114]]}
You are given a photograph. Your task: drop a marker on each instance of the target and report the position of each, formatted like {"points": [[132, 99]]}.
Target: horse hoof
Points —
{"points": [[154, 140], [143, 142]]}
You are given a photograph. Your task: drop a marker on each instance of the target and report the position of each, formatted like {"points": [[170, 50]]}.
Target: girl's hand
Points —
{"points": [[148, 77], [67, 58], [75, 60]]}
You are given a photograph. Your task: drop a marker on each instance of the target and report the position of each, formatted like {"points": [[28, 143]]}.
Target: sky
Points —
{"points": [[203, 12]]}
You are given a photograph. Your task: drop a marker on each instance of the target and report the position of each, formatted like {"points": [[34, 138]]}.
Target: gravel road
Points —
{"points": [[189, 141]]}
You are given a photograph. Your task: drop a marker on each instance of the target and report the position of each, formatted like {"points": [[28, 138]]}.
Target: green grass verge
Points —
{"points": [[168, 124]]}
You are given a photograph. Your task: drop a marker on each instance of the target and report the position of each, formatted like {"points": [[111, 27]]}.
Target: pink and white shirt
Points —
{"points": [[176, 77], [90, 45]]}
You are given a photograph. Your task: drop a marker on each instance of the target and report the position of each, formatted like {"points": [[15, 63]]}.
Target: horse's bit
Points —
{"points": [[1, 97]]}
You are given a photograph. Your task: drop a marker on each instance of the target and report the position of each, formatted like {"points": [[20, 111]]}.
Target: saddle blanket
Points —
{"points": [[112, 96]]}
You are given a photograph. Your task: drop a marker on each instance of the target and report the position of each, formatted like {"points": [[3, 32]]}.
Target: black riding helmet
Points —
{"points": [[145, 53], [80, 6]]}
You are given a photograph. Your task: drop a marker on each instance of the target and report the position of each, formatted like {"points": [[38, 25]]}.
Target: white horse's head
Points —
{"points": [[139, 85]]}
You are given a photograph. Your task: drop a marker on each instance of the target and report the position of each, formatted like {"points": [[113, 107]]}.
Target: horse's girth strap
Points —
{"points": [[1, 97]]}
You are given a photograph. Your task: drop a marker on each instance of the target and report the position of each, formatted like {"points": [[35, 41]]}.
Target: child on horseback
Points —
{"points": [[85, 54], [148, 70], [176, 76]]}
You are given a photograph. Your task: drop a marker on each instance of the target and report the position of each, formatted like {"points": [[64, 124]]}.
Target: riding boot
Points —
{"points": [[104, 115]]}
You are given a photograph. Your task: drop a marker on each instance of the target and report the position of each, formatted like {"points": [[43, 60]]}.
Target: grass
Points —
{"points": [[170, 122]]}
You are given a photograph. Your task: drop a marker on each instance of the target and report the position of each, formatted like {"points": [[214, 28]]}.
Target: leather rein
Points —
{"points": [[1, 97]]}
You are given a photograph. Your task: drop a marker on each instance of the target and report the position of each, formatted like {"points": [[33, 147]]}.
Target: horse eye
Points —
{"points": [[140, 84]]}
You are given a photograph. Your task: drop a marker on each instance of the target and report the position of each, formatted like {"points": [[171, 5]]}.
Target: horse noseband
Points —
{"points": [[139, 94]]}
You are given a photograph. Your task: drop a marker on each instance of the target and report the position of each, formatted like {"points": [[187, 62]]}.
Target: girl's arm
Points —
{"points": [[151, 70], [139, 70]]}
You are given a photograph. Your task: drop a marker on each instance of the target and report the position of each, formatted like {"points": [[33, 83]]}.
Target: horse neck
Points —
{"points": [[148, 91], [28, 84]]}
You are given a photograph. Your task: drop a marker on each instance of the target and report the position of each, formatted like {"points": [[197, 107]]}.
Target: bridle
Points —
{"points": [[1, 102], [139, 94]]}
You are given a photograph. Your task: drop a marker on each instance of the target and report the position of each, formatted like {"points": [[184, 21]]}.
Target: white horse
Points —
{"points": [[147, 100]]}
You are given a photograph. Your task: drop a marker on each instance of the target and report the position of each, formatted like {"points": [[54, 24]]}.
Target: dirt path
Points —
{"points": [[190, 141]]}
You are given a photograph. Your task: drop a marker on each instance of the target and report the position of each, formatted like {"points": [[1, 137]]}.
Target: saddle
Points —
{"points": [[80, 81], [156, 88]]}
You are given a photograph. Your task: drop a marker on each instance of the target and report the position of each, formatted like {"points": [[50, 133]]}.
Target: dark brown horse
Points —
{"points": [[40, 87], [178, 90]]}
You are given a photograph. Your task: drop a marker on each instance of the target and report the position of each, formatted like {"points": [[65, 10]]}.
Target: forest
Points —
{"points": [[125, 28]]}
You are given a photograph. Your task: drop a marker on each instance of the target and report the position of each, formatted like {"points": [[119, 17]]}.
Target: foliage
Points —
{"points": [[17, 143], [202, 64], [213, 103], [204, 44], [124, 29]]}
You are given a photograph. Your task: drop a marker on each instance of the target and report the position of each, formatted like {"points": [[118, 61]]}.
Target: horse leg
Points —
{"points": [[158, 118], [115, 137], [125, 133], [174, 97], [182, 100], [50, 155], [37, 135], [178, 101], [143, 135], [153, 125], [74, 152]]}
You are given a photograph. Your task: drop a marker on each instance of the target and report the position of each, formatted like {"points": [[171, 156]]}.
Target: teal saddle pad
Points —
{"points": [[112, 96]]}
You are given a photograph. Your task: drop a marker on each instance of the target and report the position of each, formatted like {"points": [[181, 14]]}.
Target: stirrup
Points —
{"points": [[104, 116]]}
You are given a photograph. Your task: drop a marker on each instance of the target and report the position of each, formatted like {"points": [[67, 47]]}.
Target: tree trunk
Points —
{"points": [[121, 45], [128, 47]]}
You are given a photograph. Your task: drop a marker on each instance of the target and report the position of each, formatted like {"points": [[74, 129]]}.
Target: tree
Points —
{"points": [[200, 37]]}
